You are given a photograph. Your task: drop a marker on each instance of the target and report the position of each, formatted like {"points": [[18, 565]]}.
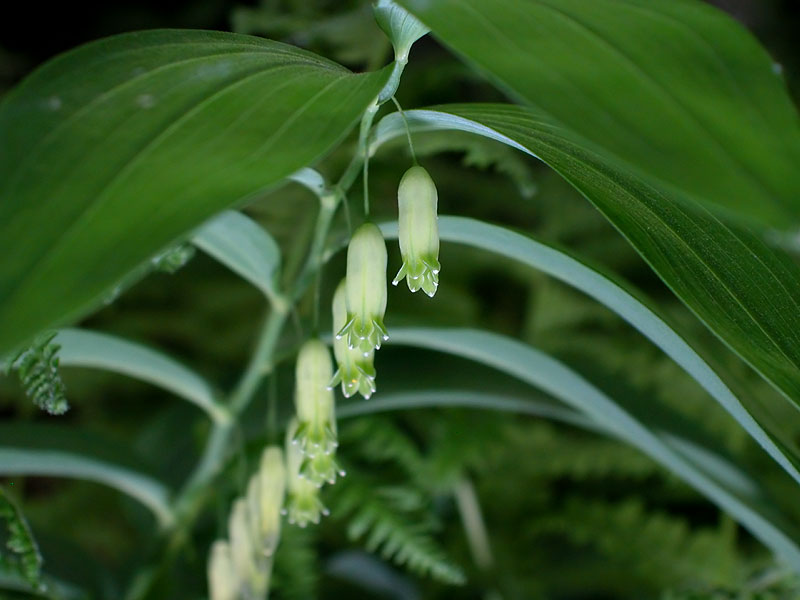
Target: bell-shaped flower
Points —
{"points": [[247, 562], [365, 287], [303, 505], [355, 369], [314, 401], [271, 481], [222, 581], [418, 231]]}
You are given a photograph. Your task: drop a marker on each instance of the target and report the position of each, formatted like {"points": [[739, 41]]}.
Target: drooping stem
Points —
{"points": [[408, 130]]}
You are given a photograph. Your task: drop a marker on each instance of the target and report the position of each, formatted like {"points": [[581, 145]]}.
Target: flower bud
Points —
{"points": [[246, 563], [314, 401], [271, 479], [418, 230], [365, 290], [222, 581], [356, 372], [303, 505]]}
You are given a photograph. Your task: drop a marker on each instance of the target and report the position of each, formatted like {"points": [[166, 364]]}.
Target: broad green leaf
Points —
{"points": [[542, 371], [59, 463], [115, 150], [243, 246], [616, 296], [94, 350], [392, 401], [744, 291], [674, 90]]}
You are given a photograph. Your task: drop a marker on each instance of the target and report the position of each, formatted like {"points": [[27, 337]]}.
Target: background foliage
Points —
{"points": [[570, 514]]}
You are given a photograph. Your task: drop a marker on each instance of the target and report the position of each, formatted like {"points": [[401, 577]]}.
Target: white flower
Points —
{"points": [[356, 371], [418, 226], [314, 401], [365, 290], [222, 581]]}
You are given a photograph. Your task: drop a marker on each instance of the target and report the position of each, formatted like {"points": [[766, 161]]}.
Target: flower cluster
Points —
{"points": [[241, 566]]}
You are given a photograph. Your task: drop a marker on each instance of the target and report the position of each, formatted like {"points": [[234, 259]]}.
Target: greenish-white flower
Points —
{"points": [[418, 231], [247, 563], [222, 581], [271, 478], [365, 287], [356, 371], [314, 401], [303, 505]]}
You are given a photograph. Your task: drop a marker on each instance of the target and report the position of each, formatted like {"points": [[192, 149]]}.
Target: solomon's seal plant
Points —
{"points": [[418, 229], [121, 157], [355, 370], [365, 288]]}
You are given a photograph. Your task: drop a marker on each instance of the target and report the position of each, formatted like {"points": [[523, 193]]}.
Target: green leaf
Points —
{"points": [[745, 292], [115, 150], [618, 297], [542, 371], [674, 91], [244, 247], [61, 463], [400, 27], [83, 348]]}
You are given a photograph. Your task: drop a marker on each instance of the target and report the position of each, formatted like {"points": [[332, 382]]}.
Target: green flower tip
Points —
{"points": [[356, 372], [321, 469], [418, 231], [355, 379], [315, 438], [364, 335], [365, 290], [304, 505]]}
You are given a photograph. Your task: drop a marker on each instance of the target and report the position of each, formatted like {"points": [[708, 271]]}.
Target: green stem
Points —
{"points": [[197, 490]]}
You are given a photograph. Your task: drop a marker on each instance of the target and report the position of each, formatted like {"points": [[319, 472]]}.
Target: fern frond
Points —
{"points": [[37, 368], [388, 520], [380, 440], [657, 545], [25, 559]]}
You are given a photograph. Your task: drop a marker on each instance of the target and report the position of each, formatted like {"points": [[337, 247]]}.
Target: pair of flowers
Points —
{"points": [[359, 303]]}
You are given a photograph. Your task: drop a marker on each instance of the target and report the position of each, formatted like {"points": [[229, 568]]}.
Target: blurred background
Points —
{"points": [[569, 514]]}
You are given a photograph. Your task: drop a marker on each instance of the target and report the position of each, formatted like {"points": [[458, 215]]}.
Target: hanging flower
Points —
{"points": [[356, 371], [271, 482], [222, 582], [247, 563], [418, 231], [303, 505], [365, 290], [314, 401]]}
